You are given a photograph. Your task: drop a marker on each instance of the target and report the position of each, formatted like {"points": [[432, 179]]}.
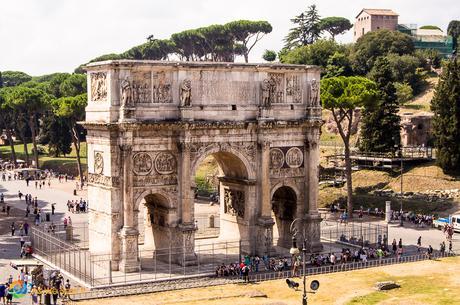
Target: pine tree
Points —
{"points": [[307, 30], [446, 120], [380, 129]]}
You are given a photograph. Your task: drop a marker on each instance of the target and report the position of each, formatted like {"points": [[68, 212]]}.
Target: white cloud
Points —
{"points": [[45, 36]]}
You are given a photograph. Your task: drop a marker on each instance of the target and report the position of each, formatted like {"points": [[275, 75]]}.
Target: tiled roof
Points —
{"points": [[379, 12]]}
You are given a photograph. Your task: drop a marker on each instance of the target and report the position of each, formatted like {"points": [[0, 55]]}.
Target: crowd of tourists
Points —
{"points": [[40, 290], [77, 206]]}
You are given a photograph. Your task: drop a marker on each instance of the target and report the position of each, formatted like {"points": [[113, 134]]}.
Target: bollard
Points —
{"points": [[211, 221]]}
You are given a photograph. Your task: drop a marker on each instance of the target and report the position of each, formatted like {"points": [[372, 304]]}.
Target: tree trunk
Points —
{"points": [[10, 140], [26, 151], [76, 144], [34, 140], [349, 180], [246, 57]]}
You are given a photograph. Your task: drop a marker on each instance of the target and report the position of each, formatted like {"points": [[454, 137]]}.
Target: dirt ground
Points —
{"points": [[427, 282]]}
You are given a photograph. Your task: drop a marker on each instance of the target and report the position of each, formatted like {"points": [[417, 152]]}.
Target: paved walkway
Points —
{"points": [[58, 193]]}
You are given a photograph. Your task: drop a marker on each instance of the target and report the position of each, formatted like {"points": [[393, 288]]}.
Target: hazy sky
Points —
{"points": [[45, 36]]}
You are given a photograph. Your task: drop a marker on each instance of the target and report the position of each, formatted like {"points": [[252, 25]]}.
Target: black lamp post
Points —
{"points": [[294, 251]]}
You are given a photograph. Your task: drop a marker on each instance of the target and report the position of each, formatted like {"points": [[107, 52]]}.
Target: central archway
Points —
{"points": [[235, 192]]}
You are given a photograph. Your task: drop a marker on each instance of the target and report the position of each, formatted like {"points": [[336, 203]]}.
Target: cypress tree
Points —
{"points": [[446, 120], [380, 128]]}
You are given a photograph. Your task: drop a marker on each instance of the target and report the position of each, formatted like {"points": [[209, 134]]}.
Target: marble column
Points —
{"points": [[265, 221], [312, 218], [128, 233], [186, 196], [186, 229]]}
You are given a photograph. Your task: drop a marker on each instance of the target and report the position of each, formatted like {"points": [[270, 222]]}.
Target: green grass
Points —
{"points": [[67, 164]]}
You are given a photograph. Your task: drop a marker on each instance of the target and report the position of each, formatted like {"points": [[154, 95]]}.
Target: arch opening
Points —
{"points": [[221, 196], [284, 206], [156, 221]]}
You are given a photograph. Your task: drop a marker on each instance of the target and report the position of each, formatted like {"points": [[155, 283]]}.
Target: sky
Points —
{"points": [[46, 36]]}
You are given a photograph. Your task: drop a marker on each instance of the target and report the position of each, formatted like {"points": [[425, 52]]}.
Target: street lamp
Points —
{"points": [[294, 251]]}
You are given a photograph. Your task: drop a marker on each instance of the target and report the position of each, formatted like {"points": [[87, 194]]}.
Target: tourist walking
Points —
{"points": [[419, 243], [13, 228], [3, 293]]}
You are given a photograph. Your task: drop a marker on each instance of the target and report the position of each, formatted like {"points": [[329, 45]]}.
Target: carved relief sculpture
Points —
{"points": [[294, 157], [98, 162], [165, 163], [185, 93], [314, 91], [98, 86], [142, 163], [161, 89], [126, 93], [234, 202], [276, 158], [277, 87], [293, 89]]}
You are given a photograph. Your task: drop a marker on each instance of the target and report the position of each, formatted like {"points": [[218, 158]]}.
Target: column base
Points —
{"points": [[129, 250], [264, 238], [313, 230], [186, 113], [188, 256]]}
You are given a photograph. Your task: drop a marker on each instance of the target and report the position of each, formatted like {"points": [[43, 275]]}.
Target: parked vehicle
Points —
{"points": [[453, 220]]}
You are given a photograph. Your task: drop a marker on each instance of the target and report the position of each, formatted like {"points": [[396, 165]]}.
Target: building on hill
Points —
{"points": [[416, 129], [369, 20]]}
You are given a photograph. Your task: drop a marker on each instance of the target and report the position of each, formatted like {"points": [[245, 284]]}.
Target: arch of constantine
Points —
{"points": [[151, 123]]}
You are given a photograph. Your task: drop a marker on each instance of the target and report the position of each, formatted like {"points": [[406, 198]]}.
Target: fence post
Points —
{"points": [[155, 262], [110, 271]]}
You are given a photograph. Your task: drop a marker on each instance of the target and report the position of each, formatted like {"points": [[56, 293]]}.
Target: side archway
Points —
{"points": [[285, 206]]}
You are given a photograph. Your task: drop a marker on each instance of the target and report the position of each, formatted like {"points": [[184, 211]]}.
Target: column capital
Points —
{"points": [[184, 146], [264, 144]]}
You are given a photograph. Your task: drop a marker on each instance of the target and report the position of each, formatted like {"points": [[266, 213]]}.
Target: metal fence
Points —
{"points": [[354, 233], [63, 251], [254, 277]]}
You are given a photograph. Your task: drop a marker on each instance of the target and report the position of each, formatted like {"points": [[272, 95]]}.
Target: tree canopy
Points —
{"points": [[14, 78], [342, 95], [453, 29], [446, 120], [379, 43], [335, 25], [306, 30], [269, 55]]}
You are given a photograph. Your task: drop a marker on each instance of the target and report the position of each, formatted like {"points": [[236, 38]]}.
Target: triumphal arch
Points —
{"points": [[151, 123]]}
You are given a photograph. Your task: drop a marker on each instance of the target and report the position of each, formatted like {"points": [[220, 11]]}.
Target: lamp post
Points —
{"points": [[294, 251], [401, 168]]}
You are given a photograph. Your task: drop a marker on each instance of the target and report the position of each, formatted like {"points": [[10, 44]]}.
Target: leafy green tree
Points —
{"points": [[430, 57], [446, 120], [307, 29], [248, 33], [404, 93], [453, 29], [338, 64], [72, 110], [379, 43], [189, 45], [31, 103], [269, 55], [380, 126], [1, 80], [407, 69], [317, 53], [56, 135], [74, 84], [342, 95], [7, 121], [335, 25], [14, 78]]}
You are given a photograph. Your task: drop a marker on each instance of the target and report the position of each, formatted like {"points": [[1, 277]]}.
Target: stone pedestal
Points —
{"points": [[312, 224], [127, 114], [188, 257], [264, 244], [265, 114], [129, 250], [186, 113]]}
